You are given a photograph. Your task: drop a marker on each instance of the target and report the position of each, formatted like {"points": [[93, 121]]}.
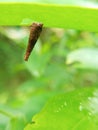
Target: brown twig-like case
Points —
{"points": [[35, 31]]}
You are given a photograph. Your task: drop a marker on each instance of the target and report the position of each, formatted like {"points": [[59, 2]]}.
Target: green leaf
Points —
{"points": [[86, 57], [51, 15], [76, 110]]}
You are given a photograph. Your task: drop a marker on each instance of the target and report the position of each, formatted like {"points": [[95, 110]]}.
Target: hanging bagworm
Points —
{"points": [[35, 31]]}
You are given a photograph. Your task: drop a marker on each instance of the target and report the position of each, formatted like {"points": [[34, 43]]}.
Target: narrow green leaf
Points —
{"points": [[51, 15], [76, 110]]}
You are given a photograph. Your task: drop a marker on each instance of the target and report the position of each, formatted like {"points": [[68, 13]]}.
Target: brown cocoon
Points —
{"points": [[35, 31]]}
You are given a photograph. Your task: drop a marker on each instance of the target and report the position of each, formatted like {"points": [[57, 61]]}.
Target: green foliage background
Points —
{"points": [[62, 67]]}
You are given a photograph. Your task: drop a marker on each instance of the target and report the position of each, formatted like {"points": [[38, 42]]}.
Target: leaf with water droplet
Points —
{"points": [[76, 110]]}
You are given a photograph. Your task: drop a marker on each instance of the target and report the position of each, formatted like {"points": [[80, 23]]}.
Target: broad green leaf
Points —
{"points": [[76, 110], [86, 57], [51, 15]]}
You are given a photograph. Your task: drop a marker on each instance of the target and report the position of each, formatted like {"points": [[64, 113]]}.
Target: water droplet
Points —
{"points": [[90, 113], [65, 104], [81, 107], [56, 111]]}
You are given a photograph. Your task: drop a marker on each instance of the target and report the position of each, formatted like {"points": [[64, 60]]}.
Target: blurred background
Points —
{"points": [[62, 60]]}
